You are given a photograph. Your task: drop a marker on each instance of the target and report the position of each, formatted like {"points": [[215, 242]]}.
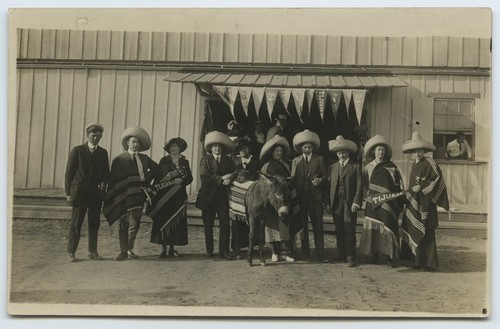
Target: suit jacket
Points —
{"points": [[81, 179], [211, 179], [317, 169], [253, 166], [353, 183], [123, 165]]}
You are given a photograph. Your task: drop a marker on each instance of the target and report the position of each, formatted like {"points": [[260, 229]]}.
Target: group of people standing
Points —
{"points": [[340, 189]]}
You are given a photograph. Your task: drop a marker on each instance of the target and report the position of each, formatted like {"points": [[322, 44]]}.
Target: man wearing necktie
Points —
{"points": [[309, 175], [130, 172], [216, 172], [344, 198], [87, 174]]}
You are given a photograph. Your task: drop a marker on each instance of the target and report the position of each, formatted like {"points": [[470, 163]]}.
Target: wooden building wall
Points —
{"points": [[427, 51], [56, 104], [393, 117]]}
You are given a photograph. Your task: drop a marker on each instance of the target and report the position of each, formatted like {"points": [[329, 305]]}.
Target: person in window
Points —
{"points": [[426, 191], [458, 149], [168, 206]]}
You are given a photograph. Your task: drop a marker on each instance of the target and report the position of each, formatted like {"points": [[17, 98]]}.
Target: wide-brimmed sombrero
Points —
{"points": [[139, 133], [374, 142], [267, 149], [306, 136], [342, 144], [216, 137], [417, 142], [177, 140]]}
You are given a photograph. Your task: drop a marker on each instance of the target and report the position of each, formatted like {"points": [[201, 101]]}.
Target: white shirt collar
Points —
{"points": [[307, 157], [344, 162], [131, 152], [91, 146]]}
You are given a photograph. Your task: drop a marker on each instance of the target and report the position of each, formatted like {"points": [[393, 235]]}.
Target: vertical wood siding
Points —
{"points": [[259, 48], [56, 104], [392, 118]]}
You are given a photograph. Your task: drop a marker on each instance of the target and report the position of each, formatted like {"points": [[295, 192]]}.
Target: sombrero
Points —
{"points": [[216, 137], [417, 142], [265, 153], [141, 134], [341, 144], [374, 142], [177, 140], [94, 126], [306, 136]]}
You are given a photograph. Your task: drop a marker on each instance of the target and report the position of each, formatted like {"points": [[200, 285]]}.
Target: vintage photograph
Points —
{"points": [[278, 162]]}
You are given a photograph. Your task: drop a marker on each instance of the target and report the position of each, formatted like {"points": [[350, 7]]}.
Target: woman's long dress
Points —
{"points": [[168, 206]]}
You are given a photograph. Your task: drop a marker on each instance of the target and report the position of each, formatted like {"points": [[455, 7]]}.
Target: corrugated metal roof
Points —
{"points": [[290, 81]]}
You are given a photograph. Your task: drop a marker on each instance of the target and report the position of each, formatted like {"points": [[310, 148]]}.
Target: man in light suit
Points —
{"points": [[87, 174], [309, 175], [216, 172], [344, 198]]}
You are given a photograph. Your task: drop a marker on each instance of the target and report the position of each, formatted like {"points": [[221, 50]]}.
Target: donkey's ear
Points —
{"points": [[288, 179], [265, 177]]}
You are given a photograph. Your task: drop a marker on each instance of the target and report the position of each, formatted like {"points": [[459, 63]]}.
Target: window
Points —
{"points": [[451, 116]]}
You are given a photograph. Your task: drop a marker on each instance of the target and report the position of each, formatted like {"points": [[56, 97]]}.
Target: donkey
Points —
{"points": [[266, 198]]}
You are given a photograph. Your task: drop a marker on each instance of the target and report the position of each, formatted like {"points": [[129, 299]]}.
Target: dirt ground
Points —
{"points": [[41, 273]]}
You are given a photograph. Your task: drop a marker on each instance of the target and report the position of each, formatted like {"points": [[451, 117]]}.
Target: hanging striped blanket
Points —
{"points": [[433, 192], [237, 192]]}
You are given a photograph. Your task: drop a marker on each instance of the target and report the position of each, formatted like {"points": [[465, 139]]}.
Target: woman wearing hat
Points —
{"points": [[130, 173], [309, 176], [380, 233], [168, 206], [274, 154], [344, 198], [216, 172], [426, 191]]}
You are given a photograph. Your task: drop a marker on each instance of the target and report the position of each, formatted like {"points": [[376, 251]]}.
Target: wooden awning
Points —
{"points": [[289, 80]]}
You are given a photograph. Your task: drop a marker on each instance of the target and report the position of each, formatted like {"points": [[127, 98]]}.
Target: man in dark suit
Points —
{"points": [[216, 173], [131, 171], [309, 175], [87, 174], [344, 198]]}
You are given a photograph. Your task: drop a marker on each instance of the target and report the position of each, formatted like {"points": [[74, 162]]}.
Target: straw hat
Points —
{"points": [[216, 137], [177, 140], [306, 136], [139, 133], [417, 142], [341, 144], [372, 143], [265, 153], [94, 126]]}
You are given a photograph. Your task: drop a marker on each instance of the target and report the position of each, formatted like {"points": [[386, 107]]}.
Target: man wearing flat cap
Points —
{"points": [[87, 174], [344, 197], [130, 172], [309, 175], [217, 171]]}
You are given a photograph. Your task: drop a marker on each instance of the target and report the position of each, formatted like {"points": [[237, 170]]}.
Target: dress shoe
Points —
{"points": [[274, 258], [350, 262], [174, 253], [95, 256], [72, 257], [131, 254], [322, 259], [226, 256], [163, 254], [121, 256], [286, 258]]}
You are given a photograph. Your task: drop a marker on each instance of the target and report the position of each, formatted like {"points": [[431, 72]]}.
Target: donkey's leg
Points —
{"points": [[261, 241], [251, 234]]}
